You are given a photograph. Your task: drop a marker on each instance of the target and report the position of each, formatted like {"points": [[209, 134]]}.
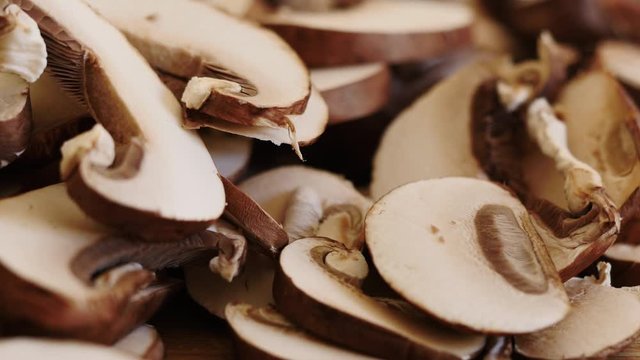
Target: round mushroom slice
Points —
{"points": [[199, 44], [470, 239], [141, 172], [230, 153], [144, 343], [33, 348], [602, 321], [258, 330], [353, 92], [69, 276], [23, 58], [374, 30], [316, 287]]}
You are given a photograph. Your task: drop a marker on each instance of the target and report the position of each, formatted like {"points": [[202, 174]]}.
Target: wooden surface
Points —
{"points": [[191, 333]]}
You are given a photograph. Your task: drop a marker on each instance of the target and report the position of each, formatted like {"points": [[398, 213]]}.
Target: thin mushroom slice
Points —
{"points": [[141, 172], [374, 30], [226, 81], [426, 129], [144, 343], [602, 321], [34, 348], [230, 153], [258, 329], [316, 287], [479, 243], [353, 92], [69, 276], [23, 59], [308, 202]]}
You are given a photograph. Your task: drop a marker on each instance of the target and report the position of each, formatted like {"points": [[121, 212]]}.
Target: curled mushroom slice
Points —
{"points": [[353, 92], [69, 276], [226, 81], [417, 145], [144, 343], [601, 322], [316, 287], [23, 59], [151, 177], [230, 153], [33, 348], [374, 30], [479, 244], [258, 329]]}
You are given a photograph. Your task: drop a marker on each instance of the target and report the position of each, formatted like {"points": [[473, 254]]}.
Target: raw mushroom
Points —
{"points": [[237, 8], [602, 321], [144, 343], [316, 287], [353, 92], [258, 329], [374, 30], [340, 210], [33, 348], [51, 106], [316, 5], [23, 58], [230, 153], [470, 239], [139, 171], [223, 80], [67, 275]]}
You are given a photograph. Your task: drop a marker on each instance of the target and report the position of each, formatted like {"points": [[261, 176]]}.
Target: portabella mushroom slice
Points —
{"points": [[144, 343], [67, 275], [426, 128], [307, 201], [23, 58], [353, 92], [199, 44], [478, 243], [34, 348], [316, 287], [230, 153], [602, 321], [146, 175], [259, 329], [374, 30]]}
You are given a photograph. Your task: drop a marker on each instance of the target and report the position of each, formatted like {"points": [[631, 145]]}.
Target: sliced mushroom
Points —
{"points": [[601, 322], [146, 175], [316, 5], [234, 7], [144, 343], [23, 59], [308, 202], [230, 153], [33, 348], [67, 275], [374, 30], [427, 127], [316, 287], [52, 107], [258, 329], [470, 239], [353, 92]]}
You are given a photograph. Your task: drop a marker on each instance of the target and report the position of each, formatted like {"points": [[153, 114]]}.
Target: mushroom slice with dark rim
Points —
{"points": [[602, 321], [353, 92], [34, 348], [23, 58], [258, 329], [317, 287], [67, 275], [374, 30], [140, 172], [309, 202], [144, 343], [470, 239], [199, 44]]}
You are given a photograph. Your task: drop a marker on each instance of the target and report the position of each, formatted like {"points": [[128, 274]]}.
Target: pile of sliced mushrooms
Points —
{"points": [[152, 149]]}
